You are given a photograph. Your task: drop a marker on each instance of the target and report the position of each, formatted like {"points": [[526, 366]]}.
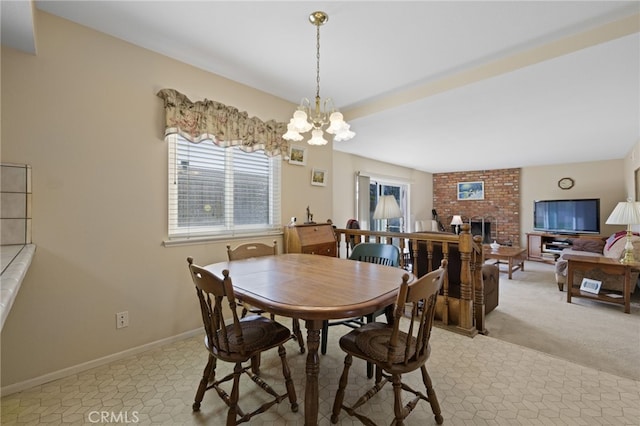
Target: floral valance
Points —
{"points": [[222, 124]]}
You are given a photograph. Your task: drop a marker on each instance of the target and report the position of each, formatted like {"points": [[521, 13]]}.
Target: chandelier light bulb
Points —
{"points": [[317, 137], [292, 134], [344, 135]]}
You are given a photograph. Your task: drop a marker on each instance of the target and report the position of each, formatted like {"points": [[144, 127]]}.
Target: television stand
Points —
{"points": [[547, 247]]}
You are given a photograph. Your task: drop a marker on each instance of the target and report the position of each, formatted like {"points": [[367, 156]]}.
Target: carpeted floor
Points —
{"points": [[533, 313]]}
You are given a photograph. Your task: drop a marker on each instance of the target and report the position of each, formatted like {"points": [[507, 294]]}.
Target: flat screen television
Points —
{"points": [[567, 216]]}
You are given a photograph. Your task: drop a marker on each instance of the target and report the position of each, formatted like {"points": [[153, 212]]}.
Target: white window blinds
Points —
{"points": [[221, 191]]}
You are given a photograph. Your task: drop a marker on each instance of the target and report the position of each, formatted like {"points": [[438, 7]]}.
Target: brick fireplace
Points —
{"points": [[498, 214]]}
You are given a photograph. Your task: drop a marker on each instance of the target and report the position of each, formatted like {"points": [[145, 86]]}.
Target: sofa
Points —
{"points": [[612, 247], [490, 273]]}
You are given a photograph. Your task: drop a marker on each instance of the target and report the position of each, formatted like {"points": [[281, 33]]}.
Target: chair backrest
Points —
{"points": [[212, 291], [382, 254], [418, 297], [352, 224], [249, 250]]}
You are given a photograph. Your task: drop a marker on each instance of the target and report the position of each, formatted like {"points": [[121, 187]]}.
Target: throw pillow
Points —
{"points": [[616, 251], [588, 244]]}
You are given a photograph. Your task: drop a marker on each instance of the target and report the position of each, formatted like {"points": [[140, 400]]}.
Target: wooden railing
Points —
{"points": [[466, 313]]}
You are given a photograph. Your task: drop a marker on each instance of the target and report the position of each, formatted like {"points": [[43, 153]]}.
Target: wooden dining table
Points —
{"points": [[313, 288]]}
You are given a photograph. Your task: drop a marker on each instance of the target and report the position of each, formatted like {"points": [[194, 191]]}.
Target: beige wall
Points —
{"points": [[600, 179], [85, 115]]}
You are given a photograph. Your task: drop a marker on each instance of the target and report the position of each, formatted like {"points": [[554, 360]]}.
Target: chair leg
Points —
{"points": [[232, 414], [398, 409], [207, 377], [297, 332], [286, 372], [325, 337], [255, 364], [370, 318], [337, 403], [431, 395]]}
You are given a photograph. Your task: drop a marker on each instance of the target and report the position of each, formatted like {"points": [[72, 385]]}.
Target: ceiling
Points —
{"points": [[434, 86]]}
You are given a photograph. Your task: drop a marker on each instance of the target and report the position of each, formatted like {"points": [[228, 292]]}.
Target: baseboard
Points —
{"points": [[36, 381]]}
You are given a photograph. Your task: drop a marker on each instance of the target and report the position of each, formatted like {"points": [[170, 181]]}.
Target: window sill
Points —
{"points": [[185, 241]]}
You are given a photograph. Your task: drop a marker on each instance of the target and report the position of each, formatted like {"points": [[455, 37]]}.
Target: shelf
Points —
{"points": [[546, 247], [551, 250]]}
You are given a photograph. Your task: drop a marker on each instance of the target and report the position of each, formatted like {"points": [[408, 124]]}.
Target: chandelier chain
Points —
{"points": [[318, 61]]}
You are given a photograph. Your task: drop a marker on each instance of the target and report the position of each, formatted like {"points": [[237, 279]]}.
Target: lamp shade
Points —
{"points": [[625, 213], [457, 220], [387, 208]]}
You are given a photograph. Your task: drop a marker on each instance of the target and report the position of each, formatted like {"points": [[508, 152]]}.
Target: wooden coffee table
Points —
{"points": [[513, 257]]}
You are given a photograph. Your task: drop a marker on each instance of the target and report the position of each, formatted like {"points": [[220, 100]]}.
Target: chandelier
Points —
{"points": [[305, 119]]}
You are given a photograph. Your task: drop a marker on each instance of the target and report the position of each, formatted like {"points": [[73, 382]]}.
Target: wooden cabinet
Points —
{"points": [[311, 239], [544, 247]]}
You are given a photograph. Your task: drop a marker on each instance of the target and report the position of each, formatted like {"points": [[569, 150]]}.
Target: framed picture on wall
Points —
{"points": [[297, 155], [471, 190], [318, 177]]}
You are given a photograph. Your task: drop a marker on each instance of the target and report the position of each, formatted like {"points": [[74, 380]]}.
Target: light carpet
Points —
{"points": [[532, 312]]}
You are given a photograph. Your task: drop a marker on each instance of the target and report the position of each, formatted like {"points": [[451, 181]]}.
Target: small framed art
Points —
{"points": [[590, 286], [297, 155], [318, 177], [471, 190]]}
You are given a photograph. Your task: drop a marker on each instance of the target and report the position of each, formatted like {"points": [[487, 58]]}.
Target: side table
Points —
{"points": [[607, 265]]}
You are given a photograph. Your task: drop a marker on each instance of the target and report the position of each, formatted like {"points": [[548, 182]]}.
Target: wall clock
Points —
{"points": [[566, 183]]}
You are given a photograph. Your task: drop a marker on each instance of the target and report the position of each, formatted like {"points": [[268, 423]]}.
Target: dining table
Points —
{"points": [[313, 288]]}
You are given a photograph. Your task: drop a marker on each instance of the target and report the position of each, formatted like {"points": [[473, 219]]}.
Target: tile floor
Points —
{"points": [[479, 381]]}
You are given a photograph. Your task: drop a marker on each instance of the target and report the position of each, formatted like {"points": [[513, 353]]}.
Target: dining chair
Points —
{"points": [[247, 251], [381, 254], [241, 340], [396, 349]]}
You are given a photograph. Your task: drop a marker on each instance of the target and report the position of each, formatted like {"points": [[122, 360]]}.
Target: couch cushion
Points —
{"points": [[588, 244]]}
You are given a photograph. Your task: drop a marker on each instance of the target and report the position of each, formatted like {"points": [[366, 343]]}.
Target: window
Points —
{"points": [[221, 191]]}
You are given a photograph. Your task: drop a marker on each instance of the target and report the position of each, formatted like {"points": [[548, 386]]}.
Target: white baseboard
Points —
{"points": [[36, 381]]}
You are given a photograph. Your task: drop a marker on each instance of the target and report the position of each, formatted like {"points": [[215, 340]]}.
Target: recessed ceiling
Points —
{"points": [[435, 86]]}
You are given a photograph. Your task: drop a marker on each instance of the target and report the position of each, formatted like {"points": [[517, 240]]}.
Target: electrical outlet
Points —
{"points": [[122, 319]]}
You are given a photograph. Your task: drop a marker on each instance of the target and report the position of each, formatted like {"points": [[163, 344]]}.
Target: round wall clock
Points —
{"points": [[566, 183]]}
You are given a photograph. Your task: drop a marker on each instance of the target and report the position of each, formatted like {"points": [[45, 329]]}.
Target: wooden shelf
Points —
{"points": [[545, 247]]}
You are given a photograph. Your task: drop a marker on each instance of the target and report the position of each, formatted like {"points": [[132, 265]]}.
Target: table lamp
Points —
{"points": [[457, 221], [387, 208], [626, 213]]}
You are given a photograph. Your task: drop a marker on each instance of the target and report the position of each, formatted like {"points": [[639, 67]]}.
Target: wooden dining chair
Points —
{"points": [[381, 254], [240, 341], [394, 351], [250, 250]]}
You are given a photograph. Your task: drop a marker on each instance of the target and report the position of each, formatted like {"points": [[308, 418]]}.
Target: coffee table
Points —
{"points": [[513, 257]]}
